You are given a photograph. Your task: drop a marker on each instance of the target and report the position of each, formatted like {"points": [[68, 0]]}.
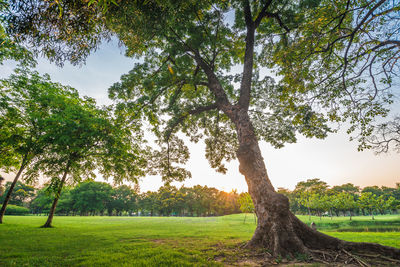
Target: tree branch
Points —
{"points": [[262, 14], [245, 85], [215, 86], [278, 19], [185, 114]]}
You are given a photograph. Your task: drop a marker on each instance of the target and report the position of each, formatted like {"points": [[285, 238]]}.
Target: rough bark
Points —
{"points": [[10, 190], [278, 229], [56, 198]]}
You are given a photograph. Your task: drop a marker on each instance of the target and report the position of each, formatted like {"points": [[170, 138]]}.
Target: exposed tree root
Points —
{"points": [[328, 257], [289, 237]]}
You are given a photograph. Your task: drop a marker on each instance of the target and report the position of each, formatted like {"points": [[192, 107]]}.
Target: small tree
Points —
{"points": [[82, 138], [27, 101], [246, 204]]}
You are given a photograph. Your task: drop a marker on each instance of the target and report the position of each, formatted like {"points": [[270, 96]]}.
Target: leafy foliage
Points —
{"points": [[16, 210], [22, 193]]}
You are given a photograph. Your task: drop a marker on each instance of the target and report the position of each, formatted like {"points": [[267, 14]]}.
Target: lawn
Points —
{"points": [[153, 241]]}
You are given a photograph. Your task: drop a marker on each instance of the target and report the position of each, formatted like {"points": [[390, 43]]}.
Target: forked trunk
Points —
{"points": [[279, 230], [10, 190], [56, 198]]}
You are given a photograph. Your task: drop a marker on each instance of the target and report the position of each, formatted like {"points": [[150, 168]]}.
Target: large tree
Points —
{"points": [[202, 72]]}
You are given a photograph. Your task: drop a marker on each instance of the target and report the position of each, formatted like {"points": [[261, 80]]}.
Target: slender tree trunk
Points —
{"points": [[54, 205], [10, 190]]}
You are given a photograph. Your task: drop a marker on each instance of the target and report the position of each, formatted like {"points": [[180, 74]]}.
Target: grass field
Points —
{"points": [[155, 241]]}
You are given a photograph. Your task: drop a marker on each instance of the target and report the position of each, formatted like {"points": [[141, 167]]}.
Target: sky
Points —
{"points": [[334, 160]]}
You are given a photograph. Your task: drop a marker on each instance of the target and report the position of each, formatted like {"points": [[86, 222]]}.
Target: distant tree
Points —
{"points": [[123, 198], [305, 199], [345, 201], [22, 193], [384, 204], [41, 202], [91, 197], [246, 204], [311, 185], [320, 203], [306, 190], [375, 190], [65, 204], [368, 201], [148, 202], [347, 188]]}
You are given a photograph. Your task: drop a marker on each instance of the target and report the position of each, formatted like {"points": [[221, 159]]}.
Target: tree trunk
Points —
{"points": [[10, 190], [58, 193], [279, 230]]}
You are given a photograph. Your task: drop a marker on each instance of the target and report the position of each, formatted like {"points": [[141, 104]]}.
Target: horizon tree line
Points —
{"points": [[311, 197]]}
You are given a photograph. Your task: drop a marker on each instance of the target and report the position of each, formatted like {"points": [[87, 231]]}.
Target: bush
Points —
{"points": [[16, 210]]}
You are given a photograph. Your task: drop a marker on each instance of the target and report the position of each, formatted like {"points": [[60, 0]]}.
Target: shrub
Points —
{"points": [[16, 210]]}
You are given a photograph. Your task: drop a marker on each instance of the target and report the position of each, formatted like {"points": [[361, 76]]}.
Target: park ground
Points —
{"points": [[163, 241]]}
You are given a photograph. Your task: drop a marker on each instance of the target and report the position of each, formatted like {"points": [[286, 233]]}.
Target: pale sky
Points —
{"points": [[334, 160]]}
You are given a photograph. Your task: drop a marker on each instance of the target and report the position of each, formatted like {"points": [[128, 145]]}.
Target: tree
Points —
{"points": [[123, 199], [82, 138], [183, 81], [246, 204], [368, 201], [375, 190], [41, 203], [347, 188], [345, 201], [309, 191], [383, 204], [149, 202], [91, 197], [26, 102], [22, 193]]}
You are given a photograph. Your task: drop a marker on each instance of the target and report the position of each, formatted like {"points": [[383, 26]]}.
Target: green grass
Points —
{"points": [[146, 241]]}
